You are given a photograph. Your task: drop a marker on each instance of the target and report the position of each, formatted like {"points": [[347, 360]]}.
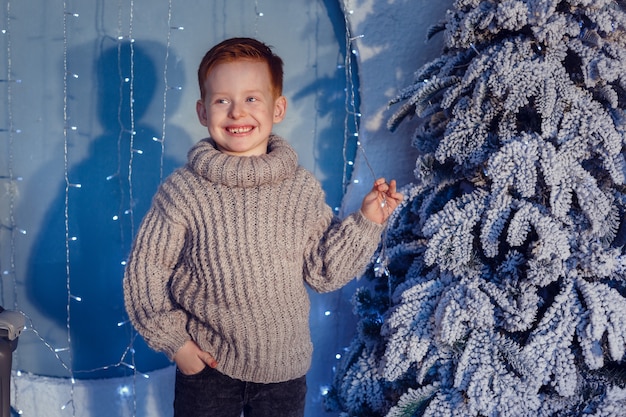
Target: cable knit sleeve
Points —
{"points": [[155, 253], [338, 250]]}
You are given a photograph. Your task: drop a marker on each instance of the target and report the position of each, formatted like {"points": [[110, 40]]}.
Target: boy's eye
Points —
{"points": [[222, 101], [252, 99]]}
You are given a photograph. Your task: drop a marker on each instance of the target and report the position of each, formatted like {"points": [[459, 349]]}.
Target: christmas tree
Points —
{"points": [[500, 288]]}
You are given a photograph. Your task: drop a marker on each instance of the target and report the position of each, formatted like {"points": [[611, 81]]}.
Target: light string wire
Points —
{"points": [[257, 15], [131, 104], [131, 147], [10, 175], [68, 185], [168, 43], [12, 227], [132, 151], [381, 262]]}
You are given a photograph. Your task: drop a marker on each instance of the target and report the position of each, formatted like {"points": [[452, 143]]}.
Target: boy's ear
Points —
{"points": [[201, 111], [280, 109]]}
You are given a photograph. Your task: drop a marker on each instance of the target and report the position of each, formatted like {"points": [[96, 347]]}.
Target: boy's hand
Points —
{"points": [[190, 359], [381, 201]]}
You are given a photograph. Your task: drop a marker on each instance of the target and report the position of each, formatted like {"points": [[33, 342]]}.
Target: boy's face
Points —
{"points": [[239, 108]]}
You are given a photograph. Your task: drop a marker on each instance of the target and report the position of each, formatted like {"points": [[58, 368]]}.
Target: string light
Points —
{"points": [[11, 130], [68, 185], [131, 104], [381, 263], [129, 211], [257, 15]]}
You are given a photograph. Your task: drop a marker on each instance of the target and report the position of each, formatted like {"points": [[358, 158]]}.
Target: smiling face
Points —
{"points": [[240, 107]]}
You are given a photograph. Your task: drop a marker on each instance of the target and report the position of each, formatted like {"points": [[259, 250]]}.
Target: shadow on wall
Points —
{"points": [[330, 102], [118, 178]]}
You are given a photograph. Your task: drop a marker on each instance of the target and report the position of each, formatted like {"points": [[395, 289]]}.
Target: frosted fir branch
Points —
{"points": [[520, 225], [603, 325], [462, 309], [514, 166], [601, 64], [479, 352], [437, 362], [512, 75], [465, 4], [511, 355], [484, 377], [441, 189], [564, 174], [589, 130], [530, 105], [550, 344], [362, 386], [473, 22], [447, 402], [425, 101], [467, 24], [591, 4], [496, 61], [516, 305], [427, 135], [477, 69], [512, 15], [467, 135], [408, 330], [613, 403], [541, 11], [450, 232], [608, 20], [606, 93], [556, 93], [555, 174], [408, 250], [435, 29], [422, 99], [424, 73], [495, 220], [550, 249], [412, 401], [555, 29], [597, 260], [594, 203]]}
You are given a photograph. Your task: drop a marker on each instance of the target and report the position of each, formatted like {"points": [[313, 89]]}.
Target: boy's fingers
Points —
{"points": [[209, 360]]}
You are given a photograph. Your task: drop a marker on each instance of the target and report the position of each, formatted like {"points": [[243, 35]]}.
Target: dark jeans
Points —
{"points": [[213, 394]]}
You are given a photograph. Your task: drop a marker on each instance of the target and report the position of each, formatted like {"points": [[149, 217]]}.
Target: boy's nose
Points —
{"points": [[236, 111]]}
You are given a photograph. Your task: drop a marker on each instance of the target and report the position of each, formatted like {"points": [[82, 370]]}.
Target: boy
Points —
{"points": [[216, 277]]}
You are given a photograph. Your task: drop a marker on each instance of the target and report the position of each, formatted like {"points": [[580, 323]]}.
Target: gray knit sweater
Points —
{"points": [[223, 254]]}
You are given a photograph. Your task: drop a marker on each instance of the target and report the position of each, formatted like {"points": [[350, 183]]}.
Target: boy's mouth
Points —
{"points": [[239, 130]]}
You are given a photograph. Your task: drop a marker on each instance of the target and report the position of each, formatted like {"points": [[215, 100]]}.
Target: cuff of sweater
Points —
{"points": [[369, 227], [172, 342]]}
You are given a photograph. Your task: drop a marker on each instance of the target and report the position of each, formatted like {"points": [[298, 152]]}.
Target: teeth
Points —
{"points": [[240, 129]]}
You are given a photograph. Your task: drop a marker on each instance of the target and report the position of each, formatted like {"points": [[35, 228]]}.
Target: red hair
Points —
{"points": [[235, 49]]}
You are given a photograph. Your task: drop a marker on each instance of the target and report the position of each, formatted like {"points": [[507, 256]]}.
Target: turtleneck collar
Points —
{"points": [[280, 162]]}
